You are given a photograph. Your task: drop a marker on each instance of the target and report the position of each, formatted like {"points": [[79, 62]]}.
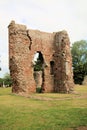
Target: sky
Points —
{"points": [[44, 15]]}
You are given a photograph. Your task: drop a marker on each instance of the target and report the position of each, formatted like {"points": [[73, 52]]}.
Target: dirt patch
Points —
{"points": [[81, 128], [57, 98], [40, 97]]}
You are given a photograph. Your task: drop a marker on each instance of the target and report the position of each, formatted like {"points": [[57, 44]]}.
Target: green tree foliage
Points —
{"points": [[79, 59], [0, 66], [39, 62], [38, 65], [1, 82], [7, 80]]}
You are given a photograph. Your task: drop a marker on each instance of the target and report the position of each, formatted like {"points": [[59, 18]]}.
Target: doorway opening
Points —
{"points": [[39, 71]]}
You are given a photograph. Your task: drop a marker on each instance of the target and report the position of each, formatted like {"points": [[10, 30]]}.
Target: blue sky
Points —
{"points": [[44, 15]]}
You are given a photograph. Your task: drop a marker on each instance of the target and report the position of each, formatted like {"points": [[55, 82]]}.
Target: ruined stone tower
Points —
{"points": [[54, 48]]}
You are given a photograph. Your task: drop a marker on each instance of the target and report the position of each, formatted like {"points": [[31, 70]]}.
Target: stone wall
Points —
{"points": [[85, 80], [57, 73]]}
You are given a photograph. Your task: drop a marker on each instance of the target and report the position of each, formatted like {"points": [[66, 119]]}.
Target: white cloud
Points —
{"points": [[45, 15]]}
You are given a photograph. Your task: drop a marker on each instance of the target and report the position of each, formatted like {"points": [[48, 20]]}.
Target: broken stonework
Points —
{"points": [[57, 73], [85, 80]]}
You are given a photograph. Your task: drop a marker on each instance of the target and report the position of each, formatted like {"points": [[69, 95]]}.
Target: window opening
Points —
{"points": [[38, 70], [52, 67]]}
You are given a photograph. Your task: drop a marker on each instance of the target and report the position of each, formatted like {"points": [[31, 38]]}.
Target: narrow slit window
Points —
{"points": [[52, 67]]}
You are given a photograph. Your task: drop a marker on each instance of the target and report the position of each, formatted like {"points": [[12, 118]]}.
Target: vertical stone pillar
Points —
{"points": [[20, 60], [64, 74]]}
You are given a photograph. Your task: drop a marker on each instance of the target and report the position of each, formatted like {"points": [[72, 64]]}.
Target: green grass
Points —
{"points": [[43, 111]]}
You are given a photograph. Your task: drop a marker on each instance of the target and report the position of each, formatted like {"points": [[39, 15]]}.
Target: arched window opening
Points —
{"points": [[38, 70], [38, 61]]}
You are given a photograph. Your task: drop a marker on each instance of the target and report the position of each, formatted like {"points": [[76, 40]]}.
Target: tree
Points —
{"points": [[1, 82], [7, 80], [0, 66], [79, 59], [38, 65]]}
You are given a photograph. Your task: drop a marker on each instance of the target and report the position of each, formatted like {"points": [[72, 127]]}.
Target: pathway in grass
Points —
{"points": [[40, 97], [79, 93]]}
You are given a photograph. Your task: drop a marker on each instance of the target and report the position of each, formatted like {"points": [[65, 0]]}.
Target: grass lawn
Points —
{"points": [[43, 111]]}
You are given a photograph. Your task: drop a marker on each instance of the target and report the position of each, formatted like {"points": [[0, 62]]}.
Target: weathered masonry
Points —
{"points": [[53, 50]]}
